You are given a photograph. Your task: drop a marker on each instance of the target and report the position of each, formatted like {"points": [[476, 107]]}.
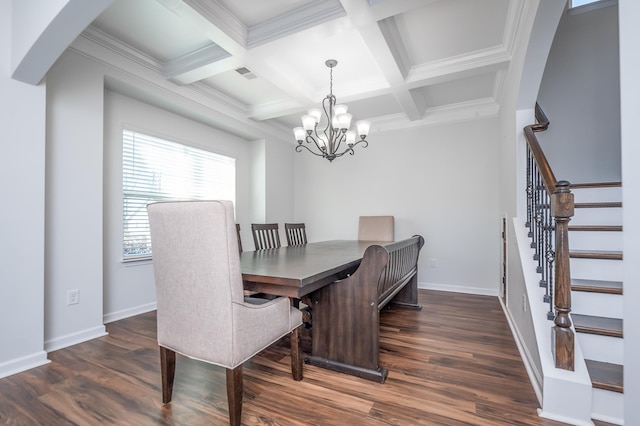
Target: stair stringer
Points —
{"points": [[564, 395]]}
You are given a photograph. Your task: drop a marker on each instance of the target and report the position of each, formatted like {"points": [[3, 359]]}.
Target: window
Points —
{"points": [[154, 169], [576, 3]]}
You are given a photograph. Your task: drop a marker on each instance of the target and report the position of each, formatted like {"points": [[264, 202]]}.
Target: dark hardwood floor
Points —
{"points": [[453, 363]]}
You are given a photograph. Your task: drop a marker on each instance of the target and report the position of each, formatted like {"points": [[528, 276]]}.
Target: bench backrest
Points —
{"points": [[402, 265]]}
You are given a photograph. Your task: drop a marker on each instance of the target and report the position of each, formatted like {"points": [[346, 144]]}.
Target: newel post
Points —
{"points": [[562, 335]]}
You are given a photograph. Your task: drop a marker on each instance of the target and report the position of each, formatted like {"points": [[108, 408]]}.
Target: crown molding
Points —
{"points": [[307, 16], [100, 38]]}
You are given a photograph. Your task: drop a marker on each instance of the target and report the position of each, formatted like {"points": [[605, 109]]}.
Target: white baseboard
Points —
{"points": [[24, 363], [535, 376], [74, 338], [459, 289], [129, 312]]}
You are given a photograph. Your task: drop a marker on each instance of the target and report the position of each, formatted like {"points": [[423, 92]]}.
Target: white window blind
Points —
{"points": [[154, 169]]}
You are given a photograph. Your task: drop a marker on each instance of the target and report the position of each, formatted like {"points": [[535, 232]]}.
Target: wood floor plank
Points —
{"points": [[452, 363]]}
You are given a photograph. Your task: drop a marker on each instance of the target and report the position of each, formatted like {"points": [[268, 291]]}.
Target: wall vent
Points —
{"points": [[246, 73]]}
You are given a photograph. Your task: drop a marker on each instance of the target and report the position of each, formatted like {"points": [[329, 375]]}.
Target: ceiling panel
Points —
{"points": [[450, 28], [151, 28], [458, 91], [252, 12]]}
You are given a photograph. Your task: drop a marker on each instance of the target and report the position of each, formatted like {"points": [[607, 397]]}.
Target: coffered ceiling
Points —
{"points": [[400, 62]]}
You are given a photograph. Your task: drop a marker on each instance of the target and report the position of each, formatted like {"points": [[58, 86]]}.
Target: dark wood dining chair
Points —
{"points": [[265, 235], [239, 239], [296, 234]]}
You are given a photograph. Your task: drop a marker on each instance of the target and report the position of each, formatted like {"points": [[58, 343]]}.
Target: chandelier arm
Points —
{"points": [[299, 149], [364, 143], [349, 150], [331, 100], [341, 137], [315, 140]]}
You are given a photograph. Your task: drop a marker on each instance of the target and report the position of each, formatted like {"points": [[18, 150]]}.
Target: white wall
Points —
{"points": [[439, 182], [279, 178], [525, 310], [580, 93], [630, 93], [129, 287], [22, 141], [74, 181]]}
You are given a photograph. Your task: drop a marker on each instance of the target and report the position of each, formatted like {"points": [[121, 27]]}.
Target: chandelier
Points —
{"points": [[336, 134]]}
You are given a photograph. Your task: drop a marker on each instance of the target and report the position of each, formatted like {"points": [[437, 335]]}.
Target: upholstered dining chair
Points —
{"points": [[202, 312], [376, 228], [265, 235], [296, 234]]}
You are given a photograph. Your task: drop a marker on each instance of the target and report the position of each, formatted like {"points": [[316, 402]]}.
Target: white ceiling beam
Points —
{"points": [[307, 16], [390, 58], [226, 52], [192, 61], [382, 9]]}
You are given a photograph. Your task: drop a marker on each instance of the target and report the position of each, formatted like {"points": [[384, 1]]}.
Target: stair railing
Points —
{"points": [[549, 209]]}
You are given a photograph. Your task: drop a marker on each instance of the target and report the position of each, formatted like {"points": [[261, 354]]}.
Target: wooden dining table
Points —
{"points": [[296, 271]]}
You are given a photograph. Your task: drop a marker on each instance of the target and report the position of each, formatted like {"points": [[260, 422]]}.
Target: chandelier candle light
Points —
{"points": [[336, 133]]}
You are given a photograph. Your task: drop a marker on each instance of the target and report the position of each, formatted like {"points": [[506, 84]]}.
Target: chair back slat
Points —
{"points": [[265, 235], [296, 234], [239, 239]]}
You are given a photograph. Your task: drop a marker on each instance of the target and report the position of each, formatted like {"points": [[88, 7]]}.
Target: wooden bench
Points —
{"points": [[345, 313]]}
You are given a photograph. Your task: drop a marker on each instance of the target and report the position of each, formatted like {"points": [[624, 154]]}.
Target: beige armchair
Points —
{"points": [[202, 312], [376, 228]]}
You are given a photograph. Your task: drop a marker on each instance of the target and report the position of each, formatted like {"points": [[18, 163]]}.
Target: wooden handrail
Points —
{"points": [[548, 178], [562, 209]]}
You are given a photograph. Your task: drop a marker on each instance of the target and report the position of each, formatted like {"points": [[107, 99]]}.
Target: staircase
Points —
{"points": [[595, 242]]}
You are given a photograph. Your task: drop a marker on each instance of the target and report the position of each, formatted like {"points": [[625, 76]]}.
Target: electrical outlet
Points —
{"points": [[524, 303], [434, 263], [73, 297]]}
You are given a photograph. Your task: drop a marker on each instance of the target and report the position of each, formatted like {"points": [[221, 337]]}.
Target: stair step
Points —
{"points": [[597, 286], [598, 205], [606, 228], [597, 269], [597, 325], [589, 193], [605, 375], [596, 254]]}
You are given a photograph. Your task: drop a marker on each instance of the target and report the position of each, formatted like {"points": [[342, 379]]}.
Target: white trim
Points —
{"points": [[129, 312], [459, 289], [535, 377], [74, 338], [18, 365]]}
